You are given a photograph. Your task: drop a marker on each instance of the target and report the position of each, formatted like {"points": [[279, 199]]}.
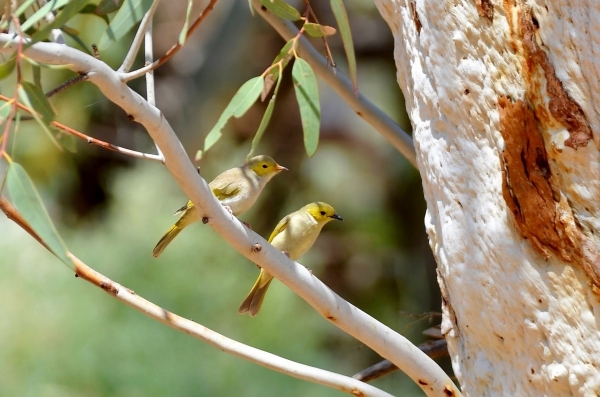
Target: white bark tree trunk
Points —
{"points": [[503, 98]]}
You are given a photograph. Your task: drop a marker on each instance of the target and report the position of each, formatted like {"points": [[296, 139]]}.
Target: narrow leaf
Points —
{"points": [[64, 16], [5, 112], [6, 68], [130, 13], [282, 9], [36, 101], [241, 102], [265, 120], [108, 6], [183, 33], [341, 17], [27, 200], [39, 102], [23, 7], [37, 75], [316, 30], [41, 13], [307, 94], [67, 141]]}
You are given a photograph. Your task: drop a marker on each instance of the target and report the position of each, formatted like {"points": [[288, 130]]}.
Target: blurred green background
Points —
{"points": [[59, 336]]}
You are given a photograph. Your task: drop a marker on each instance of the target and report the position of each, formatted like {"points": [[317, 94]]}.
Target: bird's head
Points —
{"points": [[322, 212], [264, 166]]}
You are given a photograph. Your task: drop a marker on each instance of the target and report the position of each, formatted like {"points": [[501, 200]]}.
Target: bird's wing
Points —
{"points": [[227, 184], [280, 227], [187, 206], [225, 191]]}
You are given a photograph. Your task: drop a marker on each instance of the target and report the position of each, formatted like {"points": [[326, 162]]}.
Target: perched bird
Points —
{"points": [[237, 189], [293, 235]]}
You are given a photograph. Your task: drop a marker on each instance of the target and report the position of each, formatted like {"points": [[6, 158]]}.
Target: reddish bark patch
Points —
{"points": [[485, 9], [564, 109], [415, 16], [540, 215]]}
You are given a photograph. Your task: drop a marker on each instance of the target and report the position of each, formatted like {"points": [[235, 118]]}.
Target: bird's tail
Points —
{"points": [[254, 300], [166, 239]]}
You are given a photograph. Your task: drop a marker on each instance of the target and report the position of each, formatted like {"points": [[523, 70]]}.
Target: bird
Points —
{"points": [[237, 189], [293, 235]]}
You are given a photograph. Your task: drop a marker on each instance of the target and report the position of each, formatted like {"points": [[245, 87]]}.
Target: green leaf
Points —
{"points": [[265, 120], [282, 9], [50, 6], [5, 112], [130, 13], [74, 34], [67, 141], [37, 75], [316, 30], [238, 106], [32, 96], [23, 7], [6, 68], [27, 200], [341, 17], [108, 6], [271, 78], [64, 16], [307, 94], [183, 33], [39, 102]]}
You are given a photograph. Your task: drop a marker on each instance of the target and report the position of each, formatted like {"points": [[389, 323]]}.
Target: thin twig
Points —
{"points": [[139, 36], [268, 360], [382, 339], [67, 84], [173, 50], [91, 140], [149, 55], [342, 85], [433, 348]]}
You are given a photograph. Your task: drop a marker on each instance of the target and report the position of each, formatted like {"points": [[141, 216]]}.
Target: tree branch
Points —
{"points": [[343, 86], [382, 339], [93, 141], [257, 356], [139, 37], [173, 50]]}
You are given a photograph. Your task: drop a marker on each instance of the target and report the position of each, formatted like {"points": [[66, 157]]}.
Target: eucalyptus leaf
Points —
{"points": [[241, 102], [29, 95], [341, 17], [41, 13], [282, 9], [184, 30], [29, 203], [7, 67], [64, 16], [316, 30], [130, 13], [307, 94]]}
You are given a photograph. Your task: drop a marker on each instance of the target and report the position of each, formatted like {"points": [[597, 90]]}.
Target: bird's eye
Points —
{"points": [[265, 166], [322, 212]]}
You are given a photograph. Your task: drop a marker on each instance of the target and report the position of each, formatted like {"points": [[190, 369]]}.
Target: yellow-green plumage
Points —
{"points": [[293, 235], [237, 188]]}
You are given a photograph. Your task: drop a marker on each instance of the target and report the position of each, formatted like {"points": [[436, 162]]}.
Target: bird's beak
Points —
{"points": [[280, 168], [336, 216]]}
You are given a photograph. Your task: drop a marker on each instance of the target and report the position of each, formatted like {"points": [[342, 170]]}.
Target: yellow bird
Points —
{"points": [[237, 189], [293, 235]]}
